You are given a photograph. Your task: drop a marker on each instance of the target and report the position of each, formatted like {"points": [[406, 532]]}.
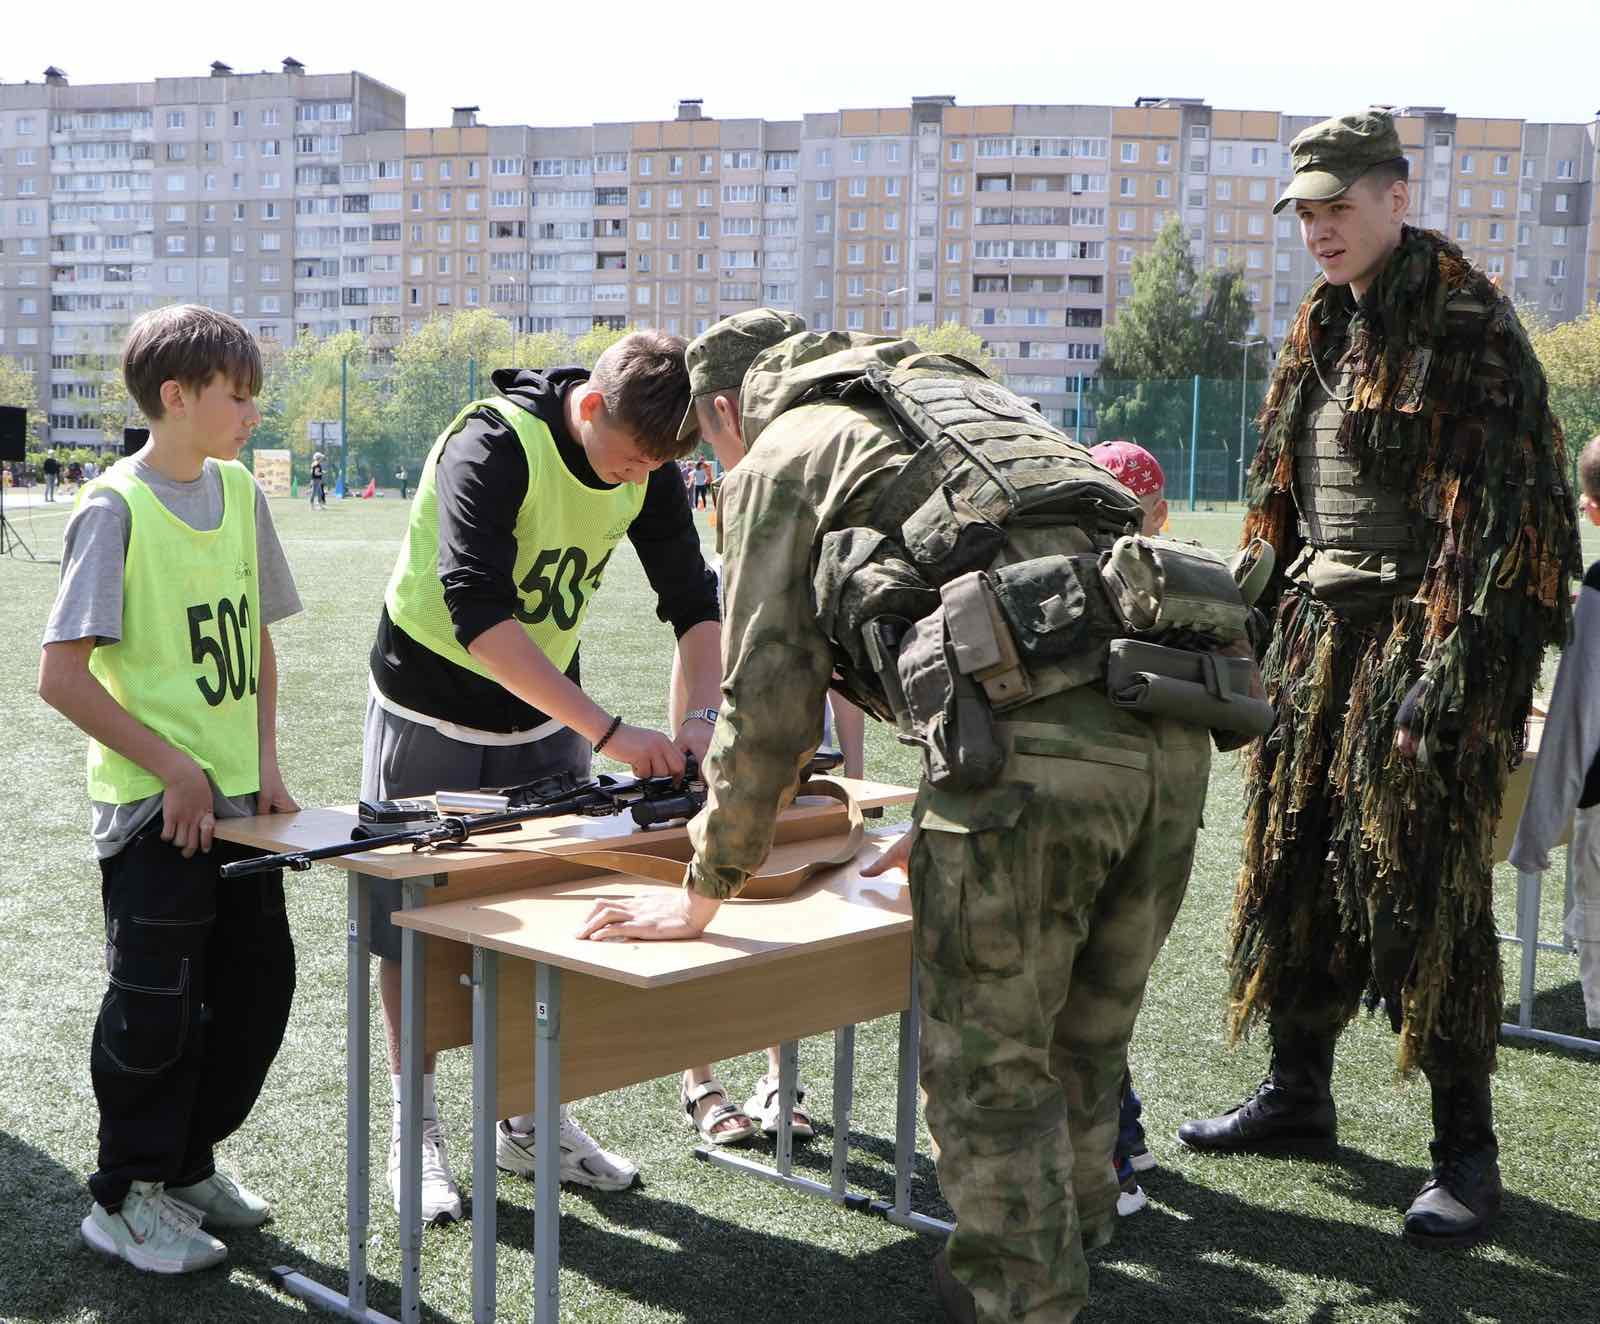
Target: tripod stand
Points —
{"points": [[10, 539]]}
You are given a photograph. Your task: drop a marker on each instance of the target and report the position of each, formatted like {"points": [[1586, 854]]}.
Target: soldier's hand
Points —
{"points": [[674, 915], [898, 856], [647, 752], [1405, 742]]}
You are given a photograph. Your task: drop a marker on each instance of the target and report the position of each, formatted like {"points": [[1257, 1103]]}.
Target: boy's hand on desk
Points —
{"points": [[673, 915], [274, 797], [186, 815]]}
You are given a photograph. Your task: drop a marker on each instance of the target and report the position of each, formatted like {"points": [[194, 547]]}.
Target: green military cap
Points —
{"points": [[1331, 156], [720, 356]]}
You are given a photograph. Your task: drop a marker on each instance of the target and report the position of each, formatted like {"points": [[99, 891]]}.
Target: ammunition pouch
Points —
{"points": [[946, 711], [1203, 689], [1175, 593]]}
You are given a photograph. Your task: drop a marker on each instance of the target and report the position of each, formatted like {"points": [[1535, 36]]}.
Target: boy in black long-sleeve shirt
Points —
{"points": [[474, 672]]}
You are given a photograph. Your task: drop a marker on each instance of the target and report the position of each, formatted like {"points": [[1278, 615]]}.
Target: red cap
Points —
{"points": [[1131, 465]]}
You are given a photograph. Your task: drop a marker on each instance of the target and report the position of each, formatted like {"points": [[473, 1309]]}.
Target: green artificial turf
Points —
{"points": [[1222, 1240]]}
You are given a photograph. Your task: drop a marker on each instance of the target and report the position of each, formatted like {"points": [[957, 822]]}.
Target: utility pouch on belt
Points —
{"points": [[1177, 593], [1203, 689], [947, 713]]}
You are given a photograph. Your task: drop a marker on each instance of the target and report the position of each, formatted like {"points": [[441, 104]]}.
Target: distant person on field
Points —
{"points": [[1566, 775], [158, 649], [319, 491], [702, 482], [403, 476], [52, 475]]}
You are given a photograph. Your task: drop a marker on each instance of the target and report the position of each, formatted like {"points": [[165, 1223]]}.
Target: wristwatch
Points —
{"points": [[707, 715]]}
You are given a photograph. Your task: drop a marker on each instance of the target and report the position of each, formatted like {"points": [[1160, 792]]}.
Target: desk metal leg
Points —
{"points": [[782, 1174], [413, 955], [547, 1129], [905, 1125], [788, 1079], [1529, 886], [352, 1303], [485, 1178], [844, 1081]]}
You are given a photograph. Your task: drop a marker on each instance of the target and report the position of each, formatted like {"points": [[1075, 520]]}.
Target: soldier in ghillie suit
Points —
{"points": [[912, 533], [1412, 483]]}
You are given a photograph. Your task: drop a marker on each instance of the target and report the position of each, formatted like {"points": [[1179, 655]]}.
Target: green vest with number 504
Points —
{"points": [[565, 534], [187, 665]]}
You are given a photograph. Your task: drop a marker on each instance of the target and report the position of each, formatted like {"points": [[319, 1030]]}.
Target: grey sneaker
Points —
{"points": [[153, 1232], [222, 1202], [441, 1197], [583, 1162]]}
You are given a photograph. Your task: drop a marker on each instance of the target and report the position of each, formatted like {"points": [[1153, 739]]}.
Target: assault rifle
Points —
{"points": [[651, 801]]}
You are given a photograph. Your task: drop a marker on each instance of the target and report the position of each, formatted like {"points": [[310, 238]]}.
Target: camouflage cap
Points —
{"points": [[720, 356], [1329, 157]]}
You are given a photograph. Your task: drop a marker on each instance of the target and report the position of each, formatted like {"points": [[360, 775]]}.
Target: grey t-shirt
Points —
{"points": [[89, 602]]}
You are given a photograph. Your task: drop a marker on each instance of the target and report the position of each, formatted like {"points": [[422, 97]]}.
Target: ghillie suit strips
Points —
{"points": [[1345, 840]]}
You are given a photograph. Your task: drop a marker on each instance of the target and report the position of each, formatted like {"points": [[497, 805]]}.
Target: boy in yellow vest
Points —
{"points": [[474, 679], [158, 649]]}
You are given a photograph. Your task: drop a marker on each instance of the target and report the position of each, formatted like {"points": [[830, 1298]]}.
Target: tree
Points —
{"points": [[17, 388], [437, 369], [1570, 355], [594, 342], [1179, 324], [962, 341]]}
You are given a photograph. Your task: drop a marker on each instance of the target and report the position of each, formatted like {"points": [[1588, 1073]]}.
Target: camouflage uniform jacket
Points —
{"points": [[809, 468]]}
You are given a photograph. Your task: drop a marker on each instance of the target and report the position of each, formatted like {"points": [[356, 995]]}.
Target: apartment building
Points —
{"points": [[115, 198], [304, 204]]}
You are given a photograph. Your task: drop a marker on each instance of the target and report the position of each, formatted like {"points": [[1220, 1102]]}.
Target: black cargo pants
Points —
{"points": [[201, 978]]}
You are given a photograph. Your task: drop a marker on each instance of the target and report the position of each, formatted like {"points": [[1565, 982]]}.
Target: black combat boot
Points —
{"points": [[1458, 1202], [1292, 1109]]}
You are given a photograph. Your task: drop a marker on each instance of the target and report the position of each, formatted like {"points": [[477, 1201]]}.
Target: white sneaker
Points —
{"points": [[1131, 1202], [222, 1202], [441, 1197], [154, 1232], [583, 1162]]}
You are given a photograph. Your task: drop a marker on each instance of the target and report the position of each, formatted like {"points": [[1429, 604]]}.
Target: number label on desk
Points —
{"points": [[542, 1010], [353, 933]]}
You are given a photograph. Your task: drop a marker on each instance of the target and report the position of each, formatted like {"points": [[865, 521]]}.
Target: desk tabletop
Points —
{"points": [[310, 828], [836, 907]]}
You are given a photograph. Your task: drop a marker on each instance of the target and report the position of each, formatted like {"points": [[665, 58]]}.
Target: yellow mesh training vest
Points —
{"points": [[187, 663], [565, 533]]}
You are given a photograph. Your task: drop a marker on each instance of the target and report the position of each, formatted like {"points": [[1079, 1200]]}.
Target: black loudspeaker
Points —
{"points": [[13, 432], [133, 439]]}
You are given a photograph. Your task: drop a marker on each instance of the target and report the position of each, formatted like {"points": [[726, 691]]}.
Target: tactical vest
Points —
{"points": [[977, 585], [1362, 540]]}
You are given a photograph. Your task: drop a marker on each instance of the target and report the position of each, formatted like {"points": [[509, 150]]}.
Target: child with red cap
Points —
{"points": [[1140, 472]]}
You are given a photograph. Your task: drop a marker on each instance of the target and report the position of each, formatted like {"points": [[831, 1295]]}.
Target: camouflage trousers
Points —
{"points": [[1038, 907]]}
